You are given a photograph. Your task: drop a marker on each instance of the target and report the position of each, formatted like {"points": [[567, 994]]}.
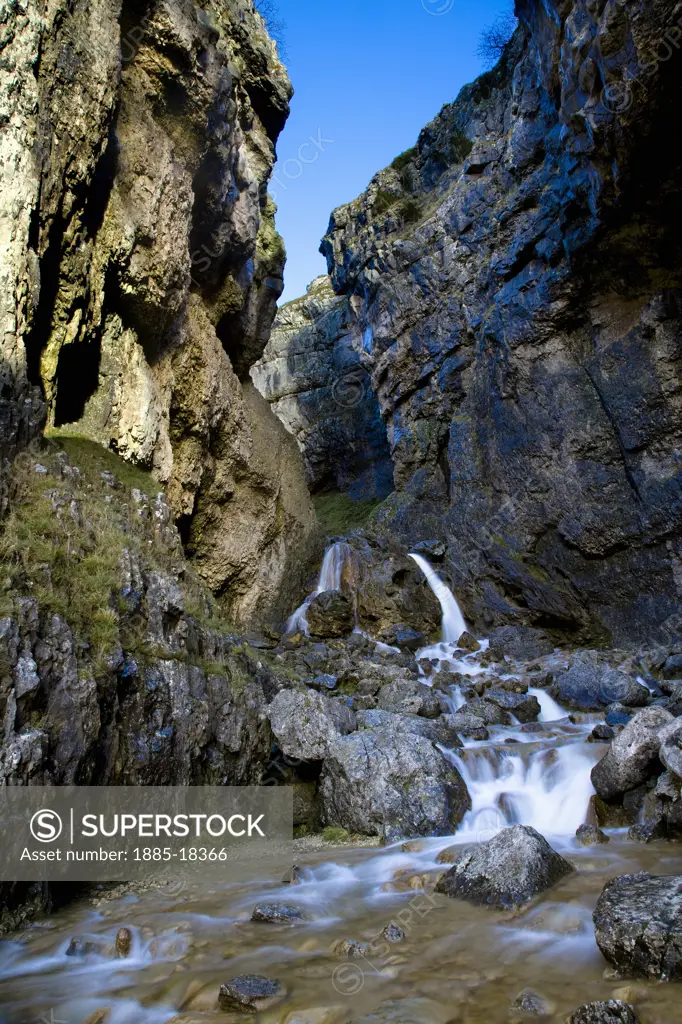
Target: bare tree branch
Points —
{"points": [[269, 11], [495, 37]]}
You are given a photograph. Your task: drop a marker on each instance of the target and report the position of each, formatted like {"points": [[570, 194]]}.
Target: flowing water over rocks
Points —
{"points": [[365, 934]]}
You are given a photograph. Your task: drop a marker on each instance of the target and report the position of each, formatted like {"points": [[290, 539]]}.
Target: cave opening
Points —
{"points": [[77, 380]]}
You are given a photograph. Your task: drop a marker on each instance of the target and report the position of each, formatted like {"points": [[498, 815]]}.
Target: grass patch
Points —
{"points": [[460, 146], [63, 540], [338, 514], [335, 834], [409, 211], [383, 202], [404, 159]]}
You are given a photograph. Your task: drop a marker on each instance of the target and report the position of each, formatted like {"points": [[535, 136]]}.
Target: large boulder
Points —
{"points": [[670, 751], [613, 1012], [489, 712], [638, 925], [408, 696], [521, 643], [524, 707], [442, 730], [507, 871], [633, 755], [591, 683], [305, 723], [392, 783], [330, 614]]}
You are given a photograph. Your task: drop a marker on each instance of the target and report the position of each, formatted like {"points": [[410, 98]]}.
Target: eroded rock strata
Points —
{"points": [[141, 266], [512, 286]]}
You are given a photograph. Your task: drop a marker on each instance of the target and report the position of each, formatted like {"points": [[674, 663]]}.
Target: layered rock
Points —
{"points": [[514, 291], [314, 379], [141, 267]]}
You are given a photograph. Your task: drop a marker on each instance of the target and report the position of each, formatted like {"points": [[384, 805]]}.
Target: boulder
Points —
{"points": [[591, 835], [522, 706], [591, 683], [530, 1004], [276, 913], [404, 637], [507, 871], [633, 755], [470, 726], [488, 712], [521, 643], [250, 993], [440, 730], [673, 667], [331, 614], [613, 1012], [467, 642], [670, 751], [408, 696], [638, 925], [304, 723], [392, 783]]}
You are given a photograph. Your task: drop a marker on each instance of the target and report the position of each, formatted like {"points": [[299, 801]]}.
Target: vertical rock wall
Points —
{"points": [[141, 267], [515, 285]]}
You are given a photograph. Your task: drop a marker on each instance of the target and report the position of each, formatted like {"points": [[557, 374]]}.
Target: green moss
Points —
{"points": [[338, 514], [335, 834], [403, 159]]}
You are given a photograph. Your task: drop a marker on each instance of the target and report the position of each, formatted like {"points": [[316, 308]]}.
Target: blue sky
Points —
{"points": [[368, 75]]}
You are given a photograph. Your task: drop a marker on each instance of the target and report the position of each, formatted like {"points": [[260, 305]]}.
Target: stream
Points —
{"points": [[456, 962]]}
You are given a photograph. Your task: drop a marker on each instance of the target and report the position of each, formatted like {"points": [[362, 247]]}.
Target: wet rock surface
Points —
{"points": [[638, 925], [507, 871], [612, 1012], [250, 992]]}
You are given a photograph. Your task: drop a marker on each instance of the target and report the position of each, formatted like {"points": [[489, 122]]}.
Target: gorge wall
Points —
{"points": [[314, 379], [513, 288], [141, 267]]}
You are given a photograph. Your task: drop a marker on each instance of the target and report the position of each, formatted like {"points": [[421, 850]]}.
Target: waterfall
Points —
{"points": [[548, 788], [453, 620], [335, 558]]}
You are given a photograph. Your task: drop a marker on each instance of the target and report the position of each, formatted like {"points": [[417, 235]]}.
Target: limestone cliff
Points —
{"points": [[140, 266], [514, 287], [314, 379]]}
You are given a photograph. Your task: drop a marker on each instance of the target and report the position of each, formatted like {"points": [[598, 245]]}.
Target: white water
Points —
{"points": [[548, 789], [329, 579], [453, 620]]}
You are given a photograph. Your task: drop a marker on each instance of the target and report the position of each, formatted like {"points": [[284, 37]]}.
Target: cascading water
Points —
{"points": [[331, 573], [453, 620]]}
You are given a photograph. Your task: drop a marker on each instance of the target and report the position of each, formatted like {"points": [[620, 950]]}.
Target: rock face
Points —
{"points": [[392, 783], [115, 666], [638, 925], [314, 380], [507, 871], [141, 266], [515, 295]]}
